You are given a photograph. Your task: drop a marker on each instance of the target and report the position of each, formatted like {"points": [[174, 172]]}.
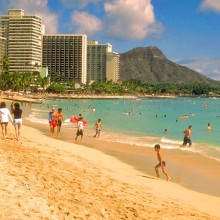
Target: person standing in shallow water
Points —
{"points": [[161, 163], [17, 112], [98, 127], [79, 131], [60, 120], [52, 121], [209, 128], [187, 137]]}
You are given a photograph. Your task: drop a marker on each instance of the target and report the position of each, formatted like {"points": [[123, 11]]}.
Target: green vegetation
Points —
{"points": [[33, 82], [137, 87], [149, 65], [22, 81], [56, 88]]}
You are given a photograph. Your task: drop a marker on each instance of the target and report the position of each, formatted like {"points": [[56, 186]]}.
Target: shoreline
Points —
{"points": [[38, 98], [183, 166], [44, 177]]}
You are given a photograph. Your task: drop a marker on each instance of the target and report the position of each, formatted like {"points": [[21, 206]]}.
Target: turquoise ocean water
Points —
{"points": [[142, 121]]}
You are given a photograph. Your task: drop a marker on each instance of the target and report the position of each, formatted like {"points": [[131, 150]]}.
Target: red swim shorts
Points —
{"points": [[53, 123]]}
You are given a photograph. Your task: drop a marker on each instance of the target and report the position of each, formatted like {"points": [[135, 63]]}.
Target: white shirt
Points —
{"points": [[5, 115], [80, 125]]}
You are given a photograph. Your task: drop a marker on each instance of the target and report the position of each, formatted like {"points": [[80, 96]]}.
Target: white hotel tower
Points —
{"points": [[102, 63], [23, 40]]}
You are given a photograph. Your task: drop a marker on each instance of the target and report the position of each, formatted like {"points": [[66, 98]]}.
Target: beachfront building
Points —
{"points": [[102, 63], [23, 35], [112, 66], [65, 56], [2, 52]]}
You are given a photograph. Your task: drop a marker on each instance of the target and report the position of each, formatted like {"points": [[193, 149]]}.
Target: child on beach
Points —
{"points": [[98, 127], [161, 163], [79, 129]]}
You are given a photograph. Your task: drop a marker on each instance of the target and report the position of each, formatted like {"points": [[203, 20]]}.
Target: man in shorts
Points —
{"points": [[98, 127], [53, 120], [60, 120], [187, 137]]}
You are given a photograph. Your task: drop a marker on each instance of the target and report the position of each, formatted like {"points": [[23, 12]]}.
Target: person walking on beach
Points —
{"points": [[52, 121], [98, 127], [5, 117], [17, 122], [79, 129], [161, 163], [60, 120], [187, 137]]}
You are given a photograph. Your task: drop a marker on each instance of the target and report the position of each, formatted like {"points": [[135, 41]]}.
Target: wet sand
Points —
{"points": [[186, 168]]}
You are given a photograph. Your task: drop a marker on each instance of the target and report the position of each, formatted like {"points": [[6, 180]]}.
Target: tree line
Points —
{"points": [[34, 82]]}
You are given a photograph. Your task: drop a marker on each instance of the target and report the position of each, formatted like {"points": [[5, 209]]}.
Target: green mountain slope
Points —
{"points": [[148, 64]]}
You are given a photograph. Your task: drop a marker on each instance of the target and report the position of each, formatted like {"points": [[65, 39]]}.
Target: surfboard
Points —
{"points": [[74, 119]]}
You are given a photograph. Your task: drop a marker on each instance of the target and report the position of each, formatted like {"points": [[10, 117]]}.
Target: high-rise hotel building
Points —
{"points": [[23, 40], [2, 52], [65, 56], [112, 66], [102, 63]]}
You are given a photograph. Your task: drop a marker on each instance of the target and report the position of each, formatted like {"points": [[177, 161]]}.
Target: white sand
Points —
{"points": [[45, 178]]}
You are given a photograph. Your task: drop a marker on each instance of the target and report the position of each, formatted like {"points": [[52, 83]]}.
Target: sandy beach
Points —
{"points": [[46, 178]]}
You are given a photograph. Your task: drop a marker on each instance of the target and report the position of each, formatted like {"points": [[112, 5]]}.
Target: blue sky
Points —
{"points": [[187, 31]]}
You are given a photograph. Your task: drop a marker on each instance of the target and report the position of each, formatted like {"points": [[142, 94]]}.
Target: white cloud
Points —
{"points": [[36, 7], [73, 4], [206, 66], [86, 23], [130, 19], [210, 5]]}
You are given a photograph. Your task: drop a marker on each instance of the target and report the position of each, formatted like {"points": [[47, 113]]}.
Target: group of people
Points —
{"points": [[186, 140], [162, 163], [6, 117], [56, 119]]}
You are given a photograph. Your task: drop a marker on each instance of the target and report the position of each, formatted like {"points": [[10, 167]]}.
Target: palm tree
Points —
{"points": [[26, 80], [45, 82], [5, 64]]}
